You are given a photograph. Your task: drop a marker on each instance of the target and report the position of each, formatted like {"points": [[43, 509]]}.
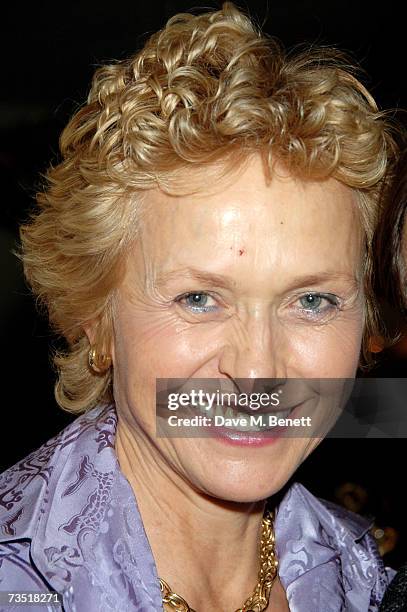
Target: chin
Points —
{"points": [[247, 489]]}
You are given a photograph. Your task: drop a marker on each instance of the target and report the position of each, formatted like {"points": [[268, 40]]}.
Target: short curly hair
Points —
{"points": [[206, 89]]}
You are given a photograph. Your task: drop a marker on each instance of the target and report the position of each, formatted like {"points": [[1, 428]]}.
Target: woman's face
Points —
{"points": [[274, 269]]}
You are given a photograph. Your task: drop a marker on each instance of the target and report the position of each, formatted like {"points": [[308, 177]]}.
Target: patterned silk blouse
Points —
{"points": [[70, 524]]}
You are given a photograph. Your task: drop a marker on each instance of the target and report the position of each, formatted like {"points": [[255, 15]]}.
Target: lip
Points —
{"points": [[244, 438], [235, 437]]}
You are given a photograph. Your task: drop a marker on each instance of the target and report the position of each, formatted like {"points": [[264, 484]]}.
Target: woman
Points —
{"points": [[210, 219]]}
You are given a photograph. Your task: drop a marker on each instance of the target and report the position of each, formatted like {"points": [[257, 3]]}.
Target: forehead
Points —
{"points": [[270, 219]]}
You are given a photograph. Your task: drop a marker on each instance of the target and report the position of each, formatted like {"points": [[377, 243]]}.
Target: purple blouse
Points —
{"points": [[69, 522]]}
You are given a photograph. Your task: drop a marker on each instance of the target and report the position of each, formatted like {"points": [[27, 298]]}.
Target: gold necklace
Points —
{"points": [[259, 600]]}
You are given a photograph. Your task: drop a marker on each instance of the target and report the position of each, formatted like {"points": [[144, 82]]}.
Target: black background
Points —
{"points": [[49, 53]]}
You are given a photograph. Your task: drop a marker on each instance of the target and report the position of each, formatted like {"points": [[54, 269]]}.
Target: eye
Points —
{"points": [[311, 301], [197, 301], [318, 305]]}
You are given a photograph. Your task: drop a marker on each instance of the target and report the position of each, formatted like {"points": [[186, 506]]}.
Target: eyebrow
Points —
{"points": [[323, 277], [203, 276], [226, 282]]}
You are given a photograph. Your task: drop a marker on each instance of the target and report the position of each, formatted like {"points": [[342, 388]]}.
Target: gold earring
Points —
{"points": [[99, 362]]}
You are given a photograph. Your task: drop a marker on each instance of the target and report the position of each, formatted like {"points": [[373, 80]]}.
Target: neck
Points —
{"points": [[206, 549]]}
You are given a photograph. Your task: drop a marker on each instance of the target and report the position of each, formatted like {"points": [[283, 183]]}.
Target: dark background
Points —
{"points": [[49, 53]]}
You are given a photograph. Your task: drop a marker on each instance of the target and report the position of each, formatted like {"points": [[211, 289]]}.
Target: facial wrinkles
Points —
{"points": [[261, 238], [259, 243], [144, 317]]}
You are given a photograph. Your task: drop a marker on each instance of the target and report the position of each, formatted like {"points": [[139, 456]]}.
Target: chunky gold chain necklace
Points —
{"points": [[259, 600]]}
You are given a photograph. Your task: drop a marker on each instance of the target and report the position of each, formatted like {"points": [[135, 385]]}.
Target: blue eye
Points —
{"points": [[313, 303], [196, 301]]}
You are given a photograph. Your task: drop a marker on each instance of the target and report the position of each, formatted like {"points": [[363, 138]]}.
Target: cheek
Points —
{"points": [[159, 346], [329, 352]]}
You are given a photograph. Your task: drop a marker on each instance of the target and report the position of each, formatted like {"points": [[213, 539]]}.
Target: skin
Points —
{"points": [[268, 237]]}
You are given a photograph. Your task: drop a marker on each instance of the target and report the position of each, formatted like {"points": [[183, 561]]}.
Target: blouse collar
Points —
{"points": [[71, 499]]}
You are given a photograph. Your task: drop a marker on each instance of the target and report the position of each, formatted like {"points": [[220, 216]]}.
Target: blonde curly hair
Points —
{"points": [[205, 89]]}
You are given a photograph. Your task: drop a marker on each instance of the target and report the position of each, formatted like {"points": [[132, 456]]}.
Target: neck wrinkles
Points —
{"points": [[195, 539]]}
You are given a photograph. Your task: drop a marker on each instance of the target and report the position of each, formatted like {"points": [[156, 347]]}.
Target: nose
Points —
{"points": [[254, 355]]}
